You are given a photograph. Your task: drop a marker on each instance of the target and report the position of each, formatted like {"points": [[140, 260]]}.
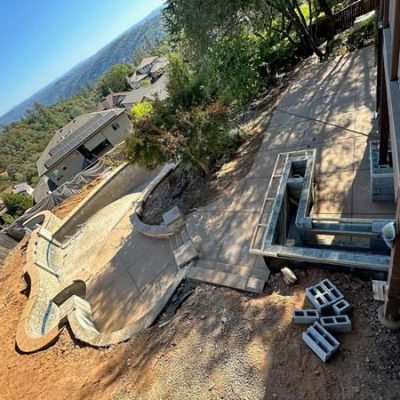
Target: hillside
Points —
{"points": [[119, 50]]}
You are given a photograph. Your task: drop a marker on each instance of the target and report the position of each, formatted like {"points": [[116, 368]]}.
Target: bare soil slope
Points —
{"points": [[220, 344]]}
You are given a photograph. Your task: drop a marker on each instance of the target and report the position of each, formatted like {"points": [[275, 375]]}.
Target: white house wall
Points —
{"points": [[68, 168], [118, 136]]}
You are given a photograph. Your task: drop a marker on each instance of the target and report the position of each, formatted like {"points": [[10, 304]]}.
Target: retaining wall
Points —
{"points": [[119, 183]]}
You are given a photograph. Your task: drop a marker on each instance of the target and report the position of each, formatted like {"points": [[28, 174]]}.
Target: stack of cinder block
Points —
{"points": [[329, 315]]}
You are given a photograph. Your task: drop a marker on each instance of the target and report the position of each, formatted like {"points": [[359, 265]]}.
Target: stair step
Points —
{"points": [[185, 235], [252, 285], [240, 270], [178, 239]]}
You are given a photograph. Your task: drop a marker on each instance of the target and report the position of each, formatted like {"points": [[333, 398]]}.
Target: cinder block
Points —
{"points": [[320, 341], [336, 323], [305, 316], [323, 295], [341, 307]]}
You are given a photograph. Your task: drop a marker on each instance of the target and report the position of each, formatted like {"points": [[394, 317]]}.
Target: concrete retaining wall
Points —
{"points": [[119, 183]]}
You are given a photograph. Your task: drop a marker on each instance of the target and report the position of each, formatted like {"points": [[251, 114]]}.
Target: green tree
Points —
{"points": [[115, 80], [17, 203], [204, 23]]}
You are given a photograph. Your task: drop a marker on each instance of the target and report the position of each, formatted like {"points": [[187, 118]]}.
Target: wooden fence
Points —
{"points": [[342, 20]]}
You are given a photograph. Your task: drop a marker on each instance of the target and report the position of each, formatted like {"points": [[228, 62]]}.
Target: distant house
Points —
{"points": [[80, 143], [23, 188], [111, 101], [159, 68], [151, 68], [145, 65], [147, 93]]}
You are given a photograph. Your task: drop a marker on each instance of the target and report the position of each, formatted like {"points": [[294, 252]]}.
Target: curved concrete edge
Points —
{"points": [[154, 231], [46, 219], [24, 342], [164, 172], [82, 332]]}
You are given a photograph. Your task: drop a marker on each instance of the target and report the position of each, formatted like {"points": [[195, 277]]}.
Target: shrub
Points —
{"points": [[186, 87], [336, 47], [196, 136], [361, 33], [234, 71], [7, 219], [141, 110], [114, 79], [17, 203], [145, 82]]}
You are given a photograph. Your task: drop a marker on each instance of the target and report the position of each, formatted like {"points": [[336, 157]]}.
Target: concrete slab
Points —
{"points": [[252, 195], [211, 227], [334, 193], [145, 268], [235, 245], [335, 157]]}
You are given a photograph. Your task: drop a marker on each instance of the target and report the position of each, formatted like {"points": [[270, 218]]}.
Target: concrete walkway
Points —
{"points": [[330, 107]]}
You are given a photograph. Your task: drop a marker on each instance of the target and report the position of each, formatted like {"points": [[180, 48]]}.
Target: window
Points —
{"points": [[115, 126]]}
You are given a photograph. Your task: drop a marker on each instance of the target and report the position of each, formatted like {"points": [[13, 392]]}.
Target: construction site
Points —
{"points": [[281, 284]]}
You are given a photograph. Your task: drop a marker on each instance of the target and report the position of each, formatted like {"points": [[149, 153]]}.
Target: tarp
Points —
{"points": [[68, 189]]}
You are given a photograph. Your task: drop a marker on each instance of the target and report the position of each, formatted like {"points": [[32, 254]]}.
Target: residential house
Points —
{"points": [[113, 100], [149, 68], [23, 188], [80, 143], [159, 68], [147, 93]]}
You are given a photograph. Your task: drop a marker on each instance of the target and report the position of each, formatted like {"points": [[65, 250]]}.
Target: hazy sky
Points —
{"points": [[42, 39]]}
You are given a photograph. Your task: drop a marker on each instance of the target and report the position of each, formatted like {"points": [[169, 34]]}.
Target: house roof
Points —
{"points": [[22, 188], [111, 100], [71, 136], [157, 89], [138, 77], [146, 61], [161, 63]]}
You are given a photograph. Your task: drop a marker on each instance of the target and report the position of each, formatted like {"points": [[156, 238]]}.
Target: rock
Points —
{"points": [[288, 276], [356, 389], [355, 286]]}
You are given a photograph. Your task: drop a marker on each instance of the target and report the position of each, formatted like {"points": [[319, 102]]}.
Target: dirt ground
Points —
{"points": [[69, 204], [219, 344]]}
